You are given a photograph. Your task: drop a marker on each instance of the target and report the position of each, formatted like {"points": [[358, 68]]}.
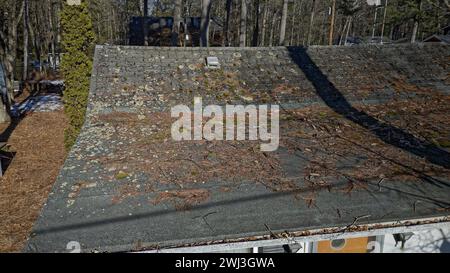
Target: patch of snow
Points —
{"points": [[53, 82], [43, 103]]}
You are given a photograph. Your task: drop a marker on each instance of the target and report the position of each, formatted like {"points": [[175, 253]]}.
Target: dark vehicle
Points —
{"points": [[157, 31], [378, 40], [353, 41]]}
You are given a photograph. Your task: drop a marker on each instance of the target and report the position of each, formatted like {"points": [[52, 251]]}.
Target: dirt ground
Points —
{"points": [[37, 146]]}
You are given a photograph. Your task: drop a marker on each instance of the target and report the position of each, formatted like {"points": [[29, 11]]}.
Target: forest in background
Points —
{"points": [[312, 22], [30, 30], [33, 26]]}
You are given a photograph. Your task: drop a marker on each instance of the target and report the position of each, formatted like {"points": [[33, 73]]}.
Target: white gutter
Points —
{"points": [[321, 235]]}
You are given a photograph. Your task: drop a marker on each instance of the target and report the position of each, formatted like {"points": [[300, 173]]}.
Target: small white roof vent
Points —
{"points": [[212, 62]]}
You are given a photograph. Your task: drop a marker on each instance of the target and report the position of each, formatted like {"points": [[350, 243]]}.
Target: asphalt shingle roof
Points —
{"points": [[364, 132], [439, 38]]}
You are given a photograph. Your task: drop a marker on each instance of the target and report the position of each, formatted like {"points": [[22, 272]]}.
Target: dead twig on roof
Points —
{"points": [[269, 162], [266, 185], [271, 232], [185, 159], [292, 239], [355, 221], [206, 215], [169, 178], [379, 183], [204, 218], [359, 218]]}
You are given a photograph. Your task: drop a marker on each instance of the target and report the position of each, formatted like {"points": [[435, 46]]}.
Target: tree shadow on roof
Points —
{"points": [[389, 134], [223, 203]]}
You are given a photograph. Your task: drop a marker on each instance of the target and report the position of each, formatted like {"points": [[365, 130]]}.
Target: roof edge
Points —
{"points": [[351, 231], [167, 48]]}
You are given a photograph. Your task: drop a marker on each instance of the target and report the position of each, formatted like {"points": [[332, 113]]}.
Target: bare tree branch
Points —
{"points": [[447, 3], [2, 36], [19, 16]]}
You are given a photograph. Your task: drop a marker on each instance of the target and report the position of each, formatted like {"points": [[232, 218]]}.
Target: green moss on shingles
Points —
{"points": [[443, 143], [121, 175]]}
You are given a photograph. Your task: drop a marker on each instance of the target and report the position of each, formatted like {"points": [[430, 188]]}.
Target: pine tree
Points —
{"points": [[76, 65]]}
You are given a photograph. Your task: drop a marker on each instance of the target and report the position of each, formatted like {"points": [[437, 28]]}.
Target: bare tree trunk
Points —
{"points": [[8, 52], [416, 23], [4, 116], [36, 39], [53, 32], [4, 113], [392, 32], [333, 15], [177, 19], [264, 23], [112, 25], [145, 7], [300, 32], [348, 30], [294, 18], [272, 28], [311, 22], [204, 26], [145, 28], [323, 37], [25, 41], [384, 20], [374, 22], [284, 15], [243, 29], [33, 40], [226, 29], [11, 50], [447, 3], [414, 32], [344, 31], [255, 40], [438, 14]]}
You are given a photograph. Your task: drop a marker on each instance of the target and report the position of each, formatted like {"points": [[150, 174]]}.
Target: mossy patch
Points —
{"points": [[121, 175], [443, 143]]}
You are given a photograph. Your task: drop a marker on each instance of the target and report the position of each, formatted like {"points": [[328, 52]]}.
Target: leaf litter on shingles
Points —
{"points": [[324, 136]]}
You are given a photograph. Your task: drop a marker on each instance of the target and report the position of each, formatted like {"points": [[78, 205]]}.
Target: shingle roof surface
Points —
{"points": [[439, 38], [364, 132]]}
